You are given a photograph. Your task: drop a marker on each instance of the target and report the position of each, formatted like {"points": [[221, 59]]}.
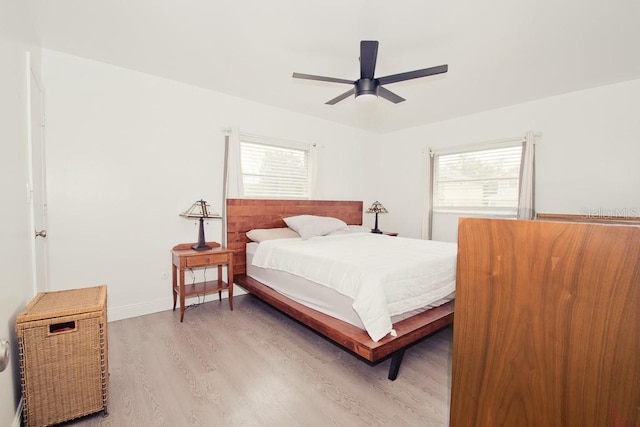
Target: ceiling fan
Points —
{"points": [[367, 84]]}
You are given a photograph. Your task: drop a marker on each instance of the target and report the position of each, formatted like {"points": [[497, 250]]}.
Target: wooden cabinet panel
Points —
{"points": [[547, 324]]}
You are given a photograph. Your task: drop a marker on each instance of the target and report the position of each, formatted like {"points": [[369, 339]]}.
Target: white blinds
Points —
{"points": [[485, 180], [273, 171]]}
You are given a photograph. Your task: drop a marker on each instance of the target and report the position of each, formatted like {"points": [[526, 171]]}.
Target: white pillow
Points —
{"points": [[308, 226], [351, 229], [262, 234]]}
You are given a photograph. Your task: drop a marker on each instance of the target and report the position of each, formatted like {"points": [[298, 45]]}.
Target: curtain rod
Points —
{"points": [[477, 146]]}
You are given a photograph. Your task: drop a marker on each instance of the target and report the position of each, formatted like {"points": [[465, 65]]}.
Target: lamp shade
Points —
{"points": [[200, 210], [377, 207]]}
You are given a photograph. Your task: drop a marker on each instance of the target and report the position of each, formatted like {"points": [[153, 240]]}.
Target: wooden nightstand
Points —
{"points": [[185, 258]]}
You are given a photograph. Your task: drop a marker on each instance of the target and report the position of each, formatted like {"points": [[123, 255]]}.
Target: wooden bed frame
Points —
{"points": [[247, 214]]}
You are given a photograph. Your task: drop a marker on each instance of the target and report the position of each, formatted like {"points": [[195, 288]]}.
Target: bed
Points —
{"points": [[244, 215]]}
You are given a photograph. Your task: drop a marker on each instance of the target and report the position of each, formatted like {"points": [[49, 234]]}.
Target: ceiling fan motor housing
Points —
{"points": [[367, 87]]}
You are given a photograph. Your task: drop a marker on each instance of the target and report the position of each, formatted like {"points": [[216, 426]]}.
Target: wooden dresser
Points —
{"points": [[547, 323]]}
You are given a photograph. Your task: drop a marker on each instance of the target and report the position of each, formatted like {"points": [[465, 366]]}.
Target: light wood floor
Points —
{"points": [[257, 367]]}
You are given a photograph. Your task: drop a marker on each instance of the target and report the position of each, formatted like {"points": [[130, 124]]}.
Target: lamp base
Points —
{"points": [[199, 247], [375, 226]]}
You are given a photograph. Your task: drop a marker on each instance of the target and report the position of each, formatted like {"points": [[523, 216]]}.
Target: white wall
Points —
{"points": [[16, 38], [127, 152], [586, 160]]}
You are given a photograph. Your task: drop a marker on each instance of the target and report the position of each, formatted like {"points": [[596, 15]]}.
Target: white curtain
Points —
{"points": [[526, 198], [314, 161], [232, 178], [234, 187], [428, 198]]}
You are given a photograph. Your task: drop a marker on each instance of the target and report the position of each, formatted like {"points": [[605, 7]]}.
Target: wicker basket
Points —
{"points": [[62, 339]]}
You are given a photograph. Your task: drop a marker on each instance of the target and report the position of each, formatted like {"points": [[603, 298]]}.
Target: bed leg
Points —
{"points": [[396, 360]]}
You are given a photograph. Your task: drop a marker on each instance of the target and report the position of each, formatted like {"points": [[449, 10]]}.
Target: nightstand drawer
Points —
{"points": [[208, 259]]}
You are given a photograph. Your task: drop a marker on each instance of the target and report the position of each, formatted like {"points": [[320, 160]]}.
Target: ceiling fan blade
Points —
{"points": [[389, 96], [321, 78], [413, 74], [368, 57], [341, 97]]}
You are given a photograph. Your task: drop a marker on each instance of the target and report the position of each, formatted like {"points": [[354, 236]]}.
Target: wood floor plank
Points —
{"points": [[255, 366]]}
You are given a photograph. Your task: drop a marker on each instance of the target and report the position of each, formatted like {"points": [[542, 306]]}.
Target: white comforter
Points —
{"points": [[384, 275]]}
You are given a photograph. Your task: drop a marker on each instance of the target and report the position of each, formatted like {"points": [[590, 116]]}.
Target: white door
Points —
{"points": [[38, 197]]}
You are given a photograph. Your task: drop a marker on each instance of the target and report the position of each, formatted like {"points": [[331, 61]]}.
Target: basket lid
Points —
{"points": [[46, 305]]}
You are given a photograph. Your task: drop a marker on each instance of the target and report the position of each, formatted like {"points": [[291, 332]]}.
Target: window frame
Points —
{"points": [[503, 212]]}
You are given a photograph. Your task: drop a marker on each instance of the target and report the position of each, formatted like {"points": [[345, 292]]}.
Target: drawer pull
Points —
{"points": [[208, 259]]}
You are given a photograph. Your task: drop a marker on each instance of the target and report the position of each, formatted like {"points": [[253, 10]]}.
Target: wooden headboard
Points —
{"points": [[248, 214]]}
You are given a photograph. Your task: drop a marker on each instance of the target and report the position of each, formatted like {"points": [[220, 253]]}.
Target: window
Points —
{"points": [[478, 181], [275, 168], [493, 179]]}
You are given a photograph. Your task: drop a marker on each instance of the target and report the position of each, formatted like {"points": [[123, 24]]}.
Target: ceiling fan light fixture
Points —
{"points": [[366, 98], [366, 90]]}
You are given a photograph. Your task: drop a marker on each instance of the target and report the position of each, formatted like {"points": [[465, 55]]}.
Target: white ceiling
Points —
{"points": [[499, 52]]}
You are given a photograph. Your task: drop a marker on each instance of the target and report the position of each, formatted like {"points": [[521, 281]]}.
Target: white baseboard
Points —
{"points": [[149, 307], [17, 419], [140, 309]]}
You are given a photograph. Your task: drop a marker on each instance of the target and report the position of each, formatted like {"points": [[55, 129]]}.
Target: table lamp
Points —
{"points": [[201, 210], [377, 208]]}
